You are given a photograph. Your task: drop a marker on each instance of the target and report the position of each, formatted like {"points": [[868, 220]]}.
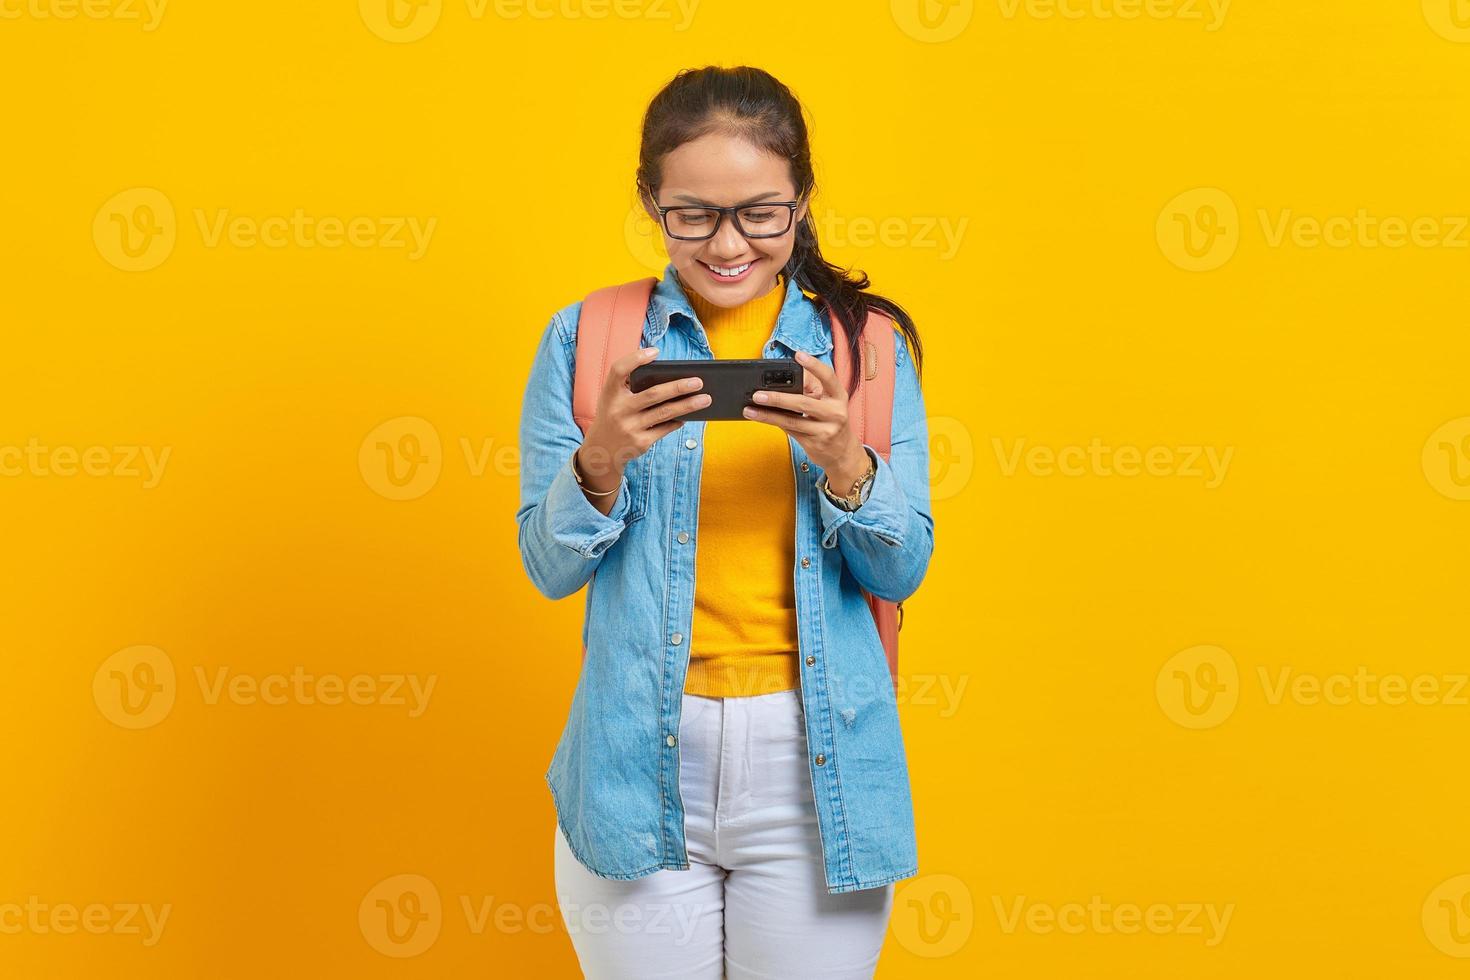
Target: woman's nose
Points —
{"points": [[728, 242]]}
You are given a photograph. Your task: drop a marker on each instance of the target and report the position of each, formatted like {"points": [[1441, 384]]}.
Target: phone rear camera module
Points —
{"points": [[778, 378]]}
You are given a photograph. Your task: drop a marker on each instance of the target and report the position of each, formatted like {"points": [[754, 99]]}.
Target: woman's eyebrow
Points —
{"points": [[749, 200]]}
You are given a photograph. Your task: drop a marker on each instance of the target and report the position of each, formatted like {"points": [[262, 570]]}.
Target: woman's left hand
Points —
{"points": [[817, 420]]}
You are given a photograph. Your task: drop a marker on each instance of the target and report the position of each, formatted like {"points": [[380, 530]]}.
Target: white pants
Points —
{"points": [[754, 902]]}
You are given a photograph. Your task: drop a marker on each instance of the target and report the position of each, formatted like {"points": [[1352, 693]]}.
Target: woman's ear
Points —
{"points": [[801, 210]]}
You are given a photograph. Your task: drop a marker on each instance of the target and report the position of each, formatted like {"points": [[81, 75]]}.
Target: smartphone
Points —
{"points": [[729, 382]]}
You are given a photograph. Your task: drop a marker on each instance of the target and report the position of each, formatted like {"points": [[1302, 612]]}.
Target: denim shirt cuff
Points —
{"points": [[882, 511], [575, 522]]}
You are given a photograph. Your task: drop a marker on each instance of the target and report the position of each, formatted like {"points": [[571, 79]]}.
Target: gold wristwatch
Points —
{"points": [[854, 497]]}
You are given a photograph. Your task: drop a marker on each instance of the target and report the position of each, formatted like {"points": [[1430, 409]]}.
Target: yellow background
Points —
{"points": [[1063, 613]]}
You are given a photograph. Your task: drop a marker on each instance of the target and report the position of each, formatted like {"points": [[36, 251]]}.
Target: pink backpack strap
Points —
{"points": [[871, 407], [609, 326], [870, 410]]}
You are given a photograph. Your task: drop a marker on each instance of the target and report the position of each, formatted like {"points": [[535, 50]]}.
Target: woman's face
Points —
{"points": [[724, 171]]}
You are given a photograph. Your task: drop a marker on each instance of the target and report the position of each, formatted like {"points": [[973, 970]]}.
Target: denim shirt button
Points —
{"points": [[821, 760], [671, 741], [676, 639], [690, 444], [805, 466], [810, 661], [806, 562], [683, 537]]}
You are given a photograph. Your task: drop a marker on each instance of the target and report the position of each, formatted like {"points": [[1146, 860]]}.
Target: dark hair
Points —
{"points": [[752, 104]]}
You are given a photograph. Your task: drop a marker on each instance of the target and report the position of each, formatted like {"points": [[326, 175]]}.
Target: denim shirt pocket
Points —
{"points": [[639, 474]]}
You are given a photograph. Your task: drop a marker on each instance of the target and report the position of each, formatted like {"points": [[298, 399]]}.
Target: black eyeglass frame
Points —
{"points": [[663, 217]]}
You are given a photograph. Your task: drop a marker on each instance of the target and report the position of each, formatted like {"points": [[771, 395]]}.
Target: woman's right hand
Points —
{"points": [[628, 423]]}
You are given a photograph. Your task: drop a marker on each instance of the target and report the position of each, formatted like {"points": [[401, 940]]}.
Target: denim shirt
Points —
{"points": [[614, 776]]}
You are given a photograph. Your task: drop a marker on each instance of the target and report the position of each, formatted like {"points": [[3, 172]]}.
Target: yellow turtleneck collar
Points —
{"points": [[739, 331]]}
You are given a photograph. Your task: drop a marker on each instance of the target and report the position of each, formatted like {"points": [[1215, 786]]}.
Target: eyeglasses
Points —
{"points": [[771, 219]]}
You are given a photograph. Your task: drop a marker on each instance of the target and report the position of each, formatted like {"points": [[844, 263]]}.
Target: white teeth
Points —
{"points": [[735, 271]]}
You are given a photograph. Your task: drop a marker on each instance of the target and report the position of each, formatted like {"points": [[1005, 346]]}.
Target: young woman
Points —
{"points": [[731, 790]]}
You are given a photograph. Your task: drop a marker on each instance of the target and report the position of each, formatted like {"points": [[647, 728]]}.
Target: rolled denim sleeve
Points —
{"points": [[562, 535], [887, 541]]}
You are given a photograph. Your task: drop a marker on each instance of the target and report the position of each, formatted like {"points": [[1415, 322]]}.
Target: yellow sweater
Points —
{"points": [[743, 640]]}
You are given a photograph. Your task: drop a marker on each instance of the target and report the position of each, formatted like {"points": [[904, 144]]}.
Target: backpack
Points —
{"points": [[611, 325]]}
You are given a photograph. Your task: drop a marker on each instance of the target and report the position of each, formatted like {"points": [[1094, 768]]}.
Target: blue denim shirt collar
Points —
{"points": [[799, 324]]}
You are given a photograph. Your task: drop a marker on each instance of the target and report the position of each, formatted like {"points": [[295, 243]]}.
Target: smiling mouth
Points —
{"points": [[729, 271]]}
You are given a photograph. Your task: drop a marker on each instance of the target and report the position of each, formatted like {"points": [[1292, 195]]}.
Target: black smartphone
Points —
{"points": [[729, 383]]}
